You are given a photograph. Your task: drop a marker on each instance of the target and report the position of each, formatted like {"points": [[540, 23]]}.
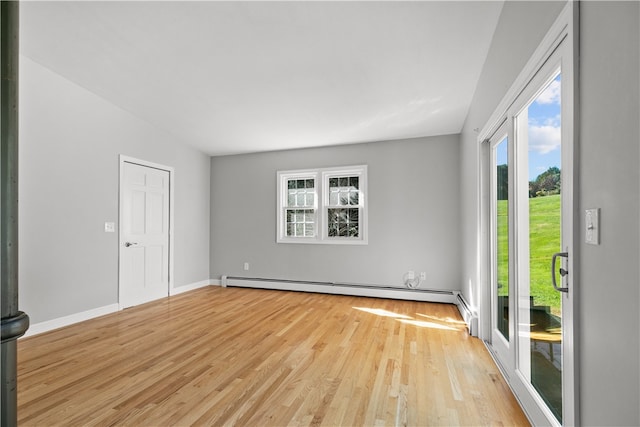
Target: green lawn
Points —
{"points": [[544, 235]]}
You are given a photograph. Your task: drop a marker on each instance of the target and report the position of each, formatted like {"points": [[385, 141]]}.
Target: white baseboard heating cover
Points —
{"points": [[469, 316], [427, 295]]}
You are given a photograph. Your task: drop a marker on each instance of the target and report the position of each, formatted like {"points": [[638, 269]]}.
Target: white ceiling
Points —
{"points": [[238, 77]]}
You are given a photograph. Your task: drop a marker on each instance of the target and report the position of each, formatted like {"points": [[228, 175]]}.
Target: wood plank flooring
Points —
{"points": [[248, 357]]}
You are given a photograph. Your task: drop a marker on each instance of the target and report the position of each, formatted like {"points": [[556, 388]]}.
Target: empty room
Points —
{"points": [[320, 213]]}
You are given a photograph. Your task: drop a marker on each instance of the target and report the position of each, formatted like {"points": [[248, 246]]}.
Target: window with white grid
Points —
{"points": [[300, 212], [322, 206], [343, 207]]}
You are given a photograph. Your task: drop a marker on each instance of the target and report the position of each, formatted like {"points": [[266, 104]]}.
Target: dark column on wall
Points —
{"points": [[14, 323]]}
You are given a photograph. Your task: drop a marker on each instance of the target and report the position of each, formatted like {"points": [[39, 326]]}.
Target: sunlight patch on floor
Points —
{"points": [[446, 319], [423, 324], [435, 323], [382, 312]]}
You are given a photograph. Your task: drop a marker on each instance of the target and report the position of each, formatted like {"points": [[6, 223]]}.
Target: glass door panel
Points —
{"points": [[538, 130], [501, 237]]}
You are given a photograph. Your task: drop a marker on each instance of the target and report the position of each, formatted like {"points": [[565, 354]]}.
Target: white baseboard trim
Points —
{"points": [[50, 325], [427, 295], [193, 286], [60, 322]]}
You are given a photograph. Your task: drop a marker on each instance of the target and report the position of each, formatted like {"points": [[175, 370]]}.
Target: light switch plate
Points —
{"points": [[592, 226], [109, 227]]}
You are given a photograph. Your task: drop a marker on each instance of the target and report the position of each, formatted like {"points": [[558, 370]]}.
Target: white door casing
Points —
{"points": [[145, 251]]}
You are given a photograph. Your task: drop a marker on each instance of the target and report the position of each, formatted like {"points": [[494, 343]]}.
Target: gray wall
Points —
{"points": [[70, 140], [413, 215], [521, 27], [608, 320], [609, 179]]}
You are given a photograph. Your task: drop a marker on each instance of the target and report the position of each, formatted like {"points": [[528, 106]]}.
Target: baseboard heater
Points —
{"points": [[469, 316], [353, 289]]}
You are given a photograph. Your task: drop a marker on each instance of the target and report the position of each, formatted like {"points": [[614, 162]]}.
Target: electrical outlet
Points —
{"points": [[423, 275], [109, 227], [246, 266]]}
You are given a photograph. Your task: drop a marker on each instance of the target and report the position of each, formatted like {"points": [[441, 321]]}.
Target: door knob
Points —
{"points": [[127, 244]]}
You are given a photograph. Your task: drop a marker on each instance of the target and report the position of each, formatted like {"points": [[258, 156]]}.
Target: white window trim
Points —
{"points": [[321, 205], [283, 177]]}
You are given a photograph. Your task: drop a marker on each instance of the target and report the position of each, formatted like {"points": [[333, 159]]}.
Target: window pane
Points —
{"points": [[343, 222], [300, 222], [354, 197], [309, 216], [301, 192], [334, 198], [354, 182], [332, 220], [343, 217], [344, 191], [309, 230]]}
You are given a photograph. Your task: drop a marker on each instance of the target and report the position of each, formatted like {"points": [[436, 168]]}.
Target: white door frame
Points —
{"points": [[126, 159], [563, 31]]}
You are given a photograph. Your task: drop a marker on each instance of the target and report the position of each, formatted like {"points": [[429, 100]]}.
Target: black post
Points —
{"points": [[14, 323]]}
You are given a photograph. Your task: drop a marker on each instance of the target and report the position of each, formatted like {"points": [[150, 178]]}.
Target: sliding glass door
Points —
{"points": [[529, 217]]}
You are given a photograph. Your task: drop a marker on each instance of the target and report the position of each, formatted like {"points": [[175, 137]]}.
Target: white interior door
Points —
{"points": [[144, 242]]}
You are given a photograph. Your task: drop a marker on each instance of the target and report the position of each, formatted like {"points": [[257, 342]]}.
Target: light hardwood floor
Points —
{"points": [[227, 356]]}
